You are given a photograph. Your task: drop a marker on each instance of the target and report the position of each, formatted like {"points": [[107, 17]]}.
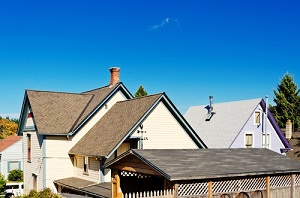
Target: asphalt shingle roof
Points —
{"points": [[113, 126], [59, 112], [225, 124], [7, 142], [186, 164], [92, 188]]}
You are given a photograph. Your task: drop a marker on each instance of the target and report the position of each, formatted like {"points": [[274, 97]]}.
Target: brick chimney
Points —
{"points": [[114, 75]]}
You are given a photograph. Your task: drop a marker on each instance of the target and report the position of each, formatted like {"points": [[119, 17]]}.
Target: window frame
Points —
{"points": [[268, 140], [255, 117], [85, 165], [245, 140], [29, 147]]}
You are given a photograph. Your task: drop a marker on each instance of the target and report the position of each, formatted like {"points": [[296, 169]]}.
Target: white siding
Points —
{"points": [[58, 162], [35, 166], [12, 153], [164, 132]]}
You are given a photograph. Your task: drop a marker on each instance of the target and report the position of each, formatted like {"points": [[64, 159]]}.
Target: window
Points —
{"points": [[257, 119], [12, 165], [264, 140], [85, 164], [28, 147], [248, 140]]}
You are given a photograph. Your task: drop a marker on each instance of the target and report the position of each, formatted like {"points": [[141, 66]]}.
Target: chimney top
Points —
{"points": [[114, 75]]}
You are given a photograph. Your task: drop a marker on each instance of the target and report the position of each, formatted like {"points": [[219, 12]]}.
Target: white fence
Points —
{"points": [[151, 194]]}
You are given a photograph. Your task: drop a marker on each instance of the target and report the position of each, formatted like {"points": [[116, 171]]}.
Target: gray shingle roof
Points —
{"points": [[113, 126], [59, 113], [91, 188], [211, 163], [225, 125]]}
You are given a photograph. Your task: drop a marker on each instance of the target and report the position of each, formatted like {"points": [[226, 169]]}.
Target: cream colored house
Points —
{"points": [[69, 137]]}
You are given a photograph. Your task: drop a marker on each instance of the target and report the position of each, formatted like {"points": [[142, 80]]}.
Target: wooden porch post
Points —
{"points": [[210, 192], [293, 186], [176, 190], [268, 186], [119, 191]]}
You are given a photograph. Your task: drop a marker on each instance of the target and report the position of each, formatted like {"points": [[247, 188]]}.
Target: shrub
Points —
{"points": [[46, 193], [15, 175], [2, 184]]}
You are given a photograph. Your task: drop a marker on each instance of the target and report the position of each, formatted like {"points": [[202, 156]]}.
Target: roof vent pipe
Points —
{"points": [[210, 104]]}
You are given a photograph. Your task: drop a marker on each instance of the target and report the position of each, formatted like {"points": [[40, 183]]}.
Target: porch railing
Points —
{"points": [[151, 194]]}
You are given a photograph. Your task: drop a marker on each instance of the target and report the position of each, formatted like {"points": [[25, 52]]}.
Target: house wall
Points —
{"points": [[12, 153], [58, 163], [35, 165], [164, 132], [93, 169], [257, 131]]}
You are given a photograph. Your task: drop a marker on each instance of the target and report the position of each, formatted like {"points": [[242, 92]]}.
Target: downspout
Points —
{"points": [[44, 162], [102, 170], [266, 122]]}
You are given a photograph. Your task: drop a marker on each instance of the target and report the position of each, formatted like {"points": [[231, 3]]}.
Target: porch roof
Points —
{"points": [[85, 186], [189, 164]]}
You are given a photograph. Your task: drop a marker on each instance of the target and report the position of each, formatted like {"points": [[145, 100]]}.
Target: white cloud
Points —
{"points": [[163, 23]]}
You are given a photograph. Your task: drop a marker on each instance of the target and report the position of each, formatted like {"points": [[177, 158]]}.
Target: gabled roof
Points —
{"points": [[7, 142], [118, 123], [60, 113], [225, 124], [114, 126], [207, 163]]}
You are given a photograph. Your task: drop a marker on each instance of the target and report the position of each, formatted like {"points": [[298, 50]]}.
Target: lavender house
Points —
{"points": [[239, 124]]}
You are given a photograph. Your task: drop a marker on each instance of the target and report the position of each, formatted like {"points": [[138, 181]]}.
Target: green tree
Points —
{"points": [[140, 92], [15, 175], [2, 184], [7, 128], [287, 102]]}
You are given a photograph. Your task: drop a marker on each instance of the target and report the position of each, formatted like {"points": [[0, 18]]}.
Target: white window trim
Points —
{"points": [[263, 141], [248, 133], [260, 117]]}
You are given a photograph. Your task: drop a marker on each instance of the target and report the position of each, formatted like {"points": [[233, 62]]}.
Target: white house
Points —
{"points": [[68, 136], [238, 124], [11, 156]]}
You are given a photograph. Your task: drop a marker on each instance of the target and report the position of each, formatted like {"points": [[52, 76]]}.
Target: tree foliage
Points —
{"points": [[7, 127], [2, 184], [140, 92], [287, 102], [46, 193], [15, 175]]}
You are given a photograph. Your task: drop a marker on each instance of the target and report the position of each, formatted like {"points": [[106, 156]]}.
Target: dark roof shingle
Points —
{"points": [[186, 164], [113, 126]]}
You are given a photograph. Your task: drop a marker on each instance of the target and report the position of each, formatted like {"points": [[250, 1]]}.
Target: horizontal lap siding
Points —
{"points": [[35, 166], [164, 132], [58, 162], [12, 153], [93, 170]]}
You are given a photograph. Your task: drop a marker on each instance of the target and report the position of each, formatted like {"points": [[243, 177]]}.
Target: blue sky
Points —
{"points": [[233, 50]]}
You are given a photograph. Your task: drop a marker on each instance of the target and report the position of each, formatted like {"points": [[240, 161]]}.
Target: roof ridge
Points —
{"points": [[58, 92], [106, 86], [147, 96], [229, 102]]}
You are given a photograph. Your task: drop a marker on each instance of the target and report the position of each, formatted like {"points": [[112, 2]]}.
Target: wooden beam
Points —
{"points": [[119, 190], [293, 193], [210, 191], [268, 187]]}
